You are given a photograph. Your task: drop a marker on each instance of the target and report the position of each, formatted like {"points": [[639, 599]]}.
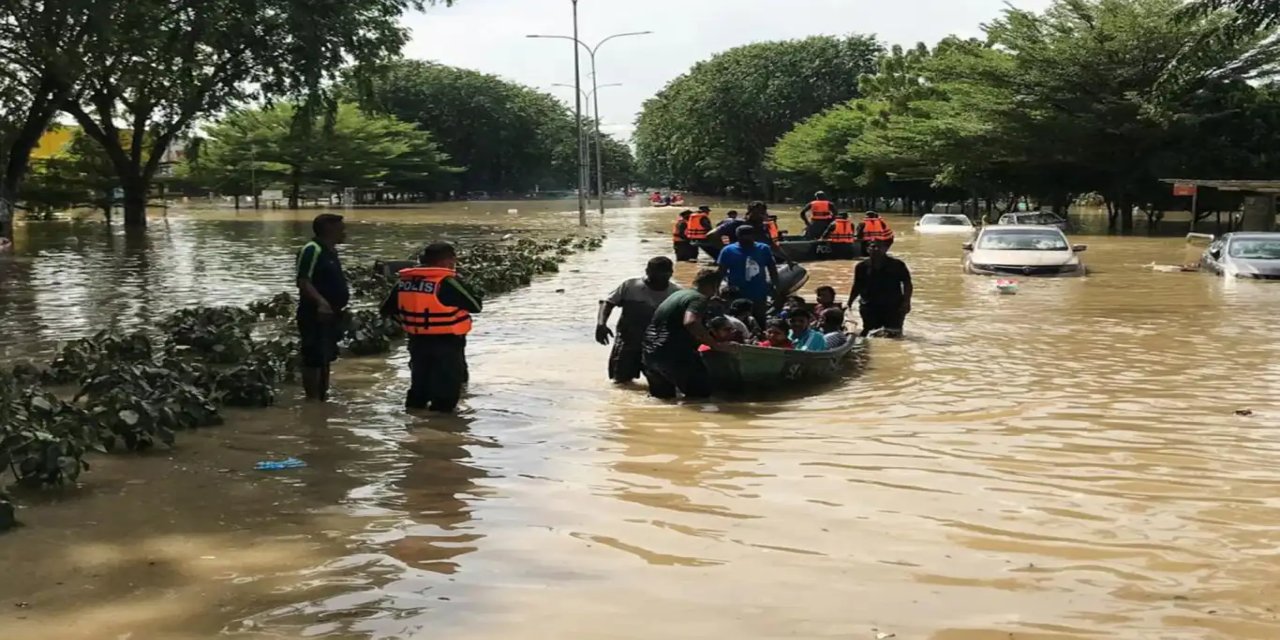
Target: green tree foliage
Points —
{"points": [[711, 128], [80, 175], [1103, 96], [264, 147], [505, 136]]}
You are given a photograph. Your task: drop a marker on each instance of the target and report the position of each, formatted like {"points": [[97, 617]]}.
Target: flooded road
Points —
{"points": [[1063, 463]]}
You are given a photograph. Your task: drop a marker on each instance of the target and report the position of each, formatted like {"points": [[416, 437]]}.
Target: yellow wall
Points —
{"points": [[53, 141]]}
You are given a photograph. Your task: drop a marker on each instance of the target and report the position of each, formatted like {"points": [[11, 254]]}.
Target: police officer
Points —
{"points": [[322, 298], [821, 212], [435, 308]]}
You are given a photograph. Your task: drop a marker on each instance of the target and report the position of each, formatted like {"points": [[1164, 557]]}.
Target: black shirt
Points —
{"points": [[667, 336], [321, 266], [882, 285]]}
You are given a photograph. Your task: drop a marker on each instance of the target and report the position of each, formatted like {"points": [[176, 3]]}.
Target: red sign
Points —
{"points": [[1184, 189]]}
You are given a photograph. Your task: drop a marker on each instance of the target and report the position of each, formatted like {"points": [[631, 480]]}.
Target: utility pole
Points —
{"points": [[577, 98]]}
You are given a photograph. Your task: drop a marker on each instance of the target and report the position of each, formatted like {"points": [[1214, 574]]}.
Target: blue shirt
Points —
{"points": [[746, 269], [809, 341]]}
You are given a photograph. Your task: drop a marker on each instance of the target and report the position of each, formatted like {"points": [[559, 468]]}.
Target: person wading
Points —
{"points": [[873, 228], [684, 250], [322, 298], [746, 264], [883, 286], [820, 214], [671, 360], [435, 308], [699, 228], [639, 299]]}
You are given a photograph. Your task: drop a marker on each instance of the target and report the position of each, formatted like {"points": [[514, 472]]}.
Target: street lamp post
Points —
{"points": [[596, 90], [585, 152]]}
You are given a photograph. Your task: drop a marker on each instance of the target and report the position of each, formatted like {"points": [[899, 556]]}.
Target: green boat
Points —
{"points": [[751, 368]]}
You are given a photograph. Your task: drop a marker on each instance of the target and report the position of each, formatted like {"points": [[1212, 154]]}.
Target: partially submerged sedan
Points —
{"points": [[1023, 250], [1244, 255], [944, 223]]}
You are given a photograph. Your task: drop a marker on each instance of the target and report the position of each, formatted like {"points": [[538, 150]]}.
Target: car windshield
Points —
{"points": [[1023, 240], [1255, 248], [953, 221]]}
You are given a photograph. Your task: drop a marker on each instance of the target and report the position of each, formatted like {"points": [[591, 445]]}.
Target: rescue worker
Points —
{"points": [[882, 285], [771, 229], [873, 228], [684, 249], [841, 236], [639, 299], [699, 228], [322, 298], [821, 212], [435, 308]]}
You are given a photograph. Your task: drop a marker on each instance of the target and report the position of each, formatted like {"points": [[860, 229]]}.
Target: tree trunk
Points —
{"points": [[6, 212], [135, 201], [1126, 214], [295, 186]]}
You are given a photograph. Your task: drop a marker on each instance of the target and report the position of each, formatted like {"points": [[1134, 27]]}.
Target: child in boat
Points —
{"points": [[802, 334], [720, 329], [775, 335], [742, 317], [792, 303], [833, 328], [826, 300]]}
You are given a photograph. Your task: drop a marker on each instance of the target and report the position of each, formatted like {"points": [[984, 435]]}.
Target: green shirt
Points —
{"points": [[667, 335]]}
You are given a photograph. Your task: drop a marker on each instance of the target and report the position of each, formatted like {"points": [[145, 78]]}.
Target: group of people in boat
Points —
{"points": [[742, 300], [668, 200], [693, 231]]}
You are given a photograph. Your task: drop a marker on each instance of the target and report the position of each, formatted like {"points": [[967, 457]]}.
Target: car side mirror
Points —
{"points": [[1079, 248], [1216, 253], [968, 246]]}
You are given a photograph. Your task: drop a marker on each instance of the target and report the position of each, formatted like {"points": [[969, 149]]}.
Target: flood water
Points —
{"points": [[1062, 463]]}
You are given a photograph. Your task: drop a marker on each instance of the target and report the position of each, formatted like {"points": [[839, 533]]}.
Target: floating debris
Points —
{"points": [[1244, 412]]}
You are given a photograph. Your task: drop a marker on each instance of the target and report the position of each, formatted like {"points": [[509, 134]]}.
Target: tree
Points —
{"points": [[163, 64], [42, 54], [505, 136], [711, 128], [254, 148]]}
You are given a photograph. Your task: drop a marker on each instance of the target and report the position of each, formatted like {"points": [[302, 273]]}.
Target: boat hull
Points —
{"points": [[752, 369]]}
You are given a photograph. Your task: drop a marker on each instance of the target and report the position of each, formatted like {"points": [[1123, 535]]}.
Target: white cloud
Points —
{"points": [[489, 35]]}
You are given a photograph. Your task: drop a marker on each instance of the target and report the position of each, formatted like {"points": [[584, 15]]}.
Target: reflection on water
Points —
{"points": [[1061, 463]]}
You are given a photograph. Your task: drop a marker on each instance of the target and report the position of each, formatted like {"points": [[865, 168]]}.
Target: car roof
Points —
{"points": [[1023, 227]]}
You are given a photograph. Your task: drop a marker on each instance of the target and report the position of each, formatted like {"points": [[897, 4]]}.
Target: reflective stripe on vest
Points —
{"points": [[841, 231], [421, 312], [771, 228], [697, 230], [876, 229], [820, 210]]}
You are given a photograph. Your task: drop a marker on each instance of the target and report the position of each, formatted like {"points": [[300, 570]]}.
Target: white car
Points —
{"points": [[1023, 250], [940, 223]]}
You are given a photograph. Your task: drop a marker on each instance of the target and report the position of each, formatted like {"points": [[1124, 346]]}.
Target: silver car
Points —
{"points": [[1023, 250], [1244, 255]]}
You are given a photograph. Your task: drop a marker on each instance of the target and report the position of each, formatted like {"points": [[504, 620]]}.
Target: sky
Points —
{"points": [[489, 36]]}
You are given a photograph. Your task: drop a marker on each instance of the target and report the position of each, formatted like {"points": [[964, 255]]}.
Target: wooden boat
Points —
{"points": [[753, 369]]}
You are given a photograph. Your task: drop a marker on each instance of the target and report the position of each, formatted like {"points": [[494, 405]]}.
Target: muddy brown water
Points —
{"points": [[1062, 463]]}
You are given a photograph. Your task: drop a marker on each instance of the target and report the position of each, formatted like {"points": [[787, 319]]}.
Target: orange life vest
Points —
{"points": [[421, 312], [699, 225], [841, 231], [676, 237], [876, 229], [771, 227], [820, 210]]}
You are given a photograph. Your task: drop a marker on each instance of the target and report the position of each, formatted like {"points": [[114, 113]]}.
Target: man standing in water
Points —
{"points": [[883, 285], [435, 308], [745, 264], [823, 211], [671, 360], [322, 297], [639, 299]]}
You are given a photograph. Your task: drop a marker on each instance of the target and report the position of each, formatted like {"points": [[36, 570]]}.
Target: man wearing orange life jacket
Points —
{"points": [[821, 212], [684, 249], [771, 229], [841, 236], [435, 308], [873, 228], [699, 225]]}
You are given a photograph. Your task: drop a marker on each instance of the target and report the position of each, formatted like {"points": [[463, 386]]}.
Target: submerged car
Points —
{"points": [[1024, 250], [939, 223], [1244, 255], [1039, 218]]}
